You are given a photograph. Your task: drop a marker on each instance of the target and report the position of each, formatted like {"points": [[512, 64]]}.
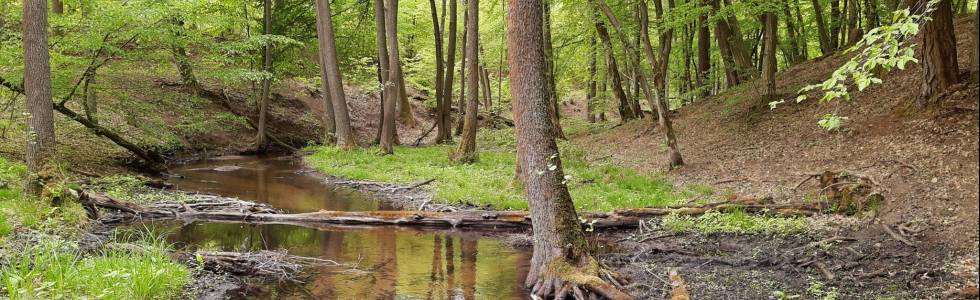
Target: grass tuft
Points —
{"points": [[735, 222]]}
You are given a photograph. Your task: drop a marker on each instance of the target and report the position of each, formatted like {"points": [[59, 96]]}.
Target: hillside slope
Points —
{"points": [[926, 161]]}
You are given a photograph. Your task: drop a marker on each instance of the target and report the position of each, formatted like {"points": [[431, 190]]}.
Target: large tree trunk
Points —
{"points": [[466, 153], [329, 117], [37, 88], [769, 56], [450, 71], [260, 141], [549, 60], [442, 131], [939, 65], [560, 248], [345, 134], [389, 95], [704, 52]]}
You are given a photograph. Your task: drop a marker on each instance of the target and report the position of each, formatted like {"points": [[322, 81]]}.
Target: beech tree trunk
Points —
{"points": [[466, 153], [939, 65], [345, 134], [822, 35], [659, 65], [37, 89], [769, 56], [383, 16], [835, 23], [260, 140], [450, 71], [559, 242], [441, 128]]}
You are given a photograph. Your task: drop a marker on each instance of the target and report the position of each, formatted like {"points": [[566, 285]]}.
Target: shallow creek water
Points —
{"points": [[405, 263]]}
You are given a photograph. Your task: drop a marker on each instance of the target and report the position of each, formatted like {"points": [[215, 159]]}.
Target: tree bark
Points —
{"points": [[260, 141], [560, 247], [37, 89], [975, 60], [939, 65], [769, 57], [450, 71], [389, 94], [795, 45], [466, 153], [835, 24], [442, 131], [58, 7], [345, 134]]}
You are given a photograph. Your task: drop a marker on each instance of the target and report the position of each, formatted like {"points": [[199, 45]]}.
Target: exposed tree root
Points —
{"points": [[562, 280]]}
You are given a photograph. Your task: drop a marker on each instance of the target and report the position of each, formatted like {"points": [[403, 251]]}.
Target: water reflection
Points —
{"points": [[280, 181], [407, 264]]}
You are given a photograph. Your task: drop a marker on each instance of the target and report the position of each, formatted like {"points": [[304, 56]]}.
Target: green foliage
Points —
{"points": [[56, 269], [882, 49], [491, 180], [735, 222]]}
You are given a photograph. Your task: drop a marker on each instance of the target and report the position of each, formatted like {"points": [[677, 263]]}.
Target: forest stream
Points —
{"points": [[395, 263]]}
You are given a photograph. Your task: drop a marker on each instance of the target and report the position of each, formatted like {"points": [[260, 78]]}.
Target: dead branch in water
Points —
{"points": [[268, 264]]}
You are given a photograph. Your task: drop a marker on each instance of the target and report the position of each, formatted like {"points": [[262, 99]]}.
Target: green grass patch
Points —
{"points": [[734, 222], [490, 181], [55, 269]]}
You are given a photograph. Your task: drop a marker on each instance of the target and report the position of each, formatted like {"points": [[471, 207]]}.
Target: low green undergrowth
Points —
{"points": [[491, 181], [734, 222], [56, 269]]}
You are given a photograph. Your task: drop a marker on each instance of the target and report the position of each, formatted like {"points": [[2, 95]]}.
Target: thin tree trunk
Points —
{"points": [[559, 242], [37, 89], [91, 103], [345, 134], [591, 94], [769, 57], [659, 65], [450, 71], [385, 19], [795, 44], [704, 52], [466, 153], [625, 112], [260, 140], [854, 32], [939, 65], [442, 131], [329, 116], [58, 7], [404, 107], [549, 60], [462, 72], [975, 60], [826, 46], [835, 23]]}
